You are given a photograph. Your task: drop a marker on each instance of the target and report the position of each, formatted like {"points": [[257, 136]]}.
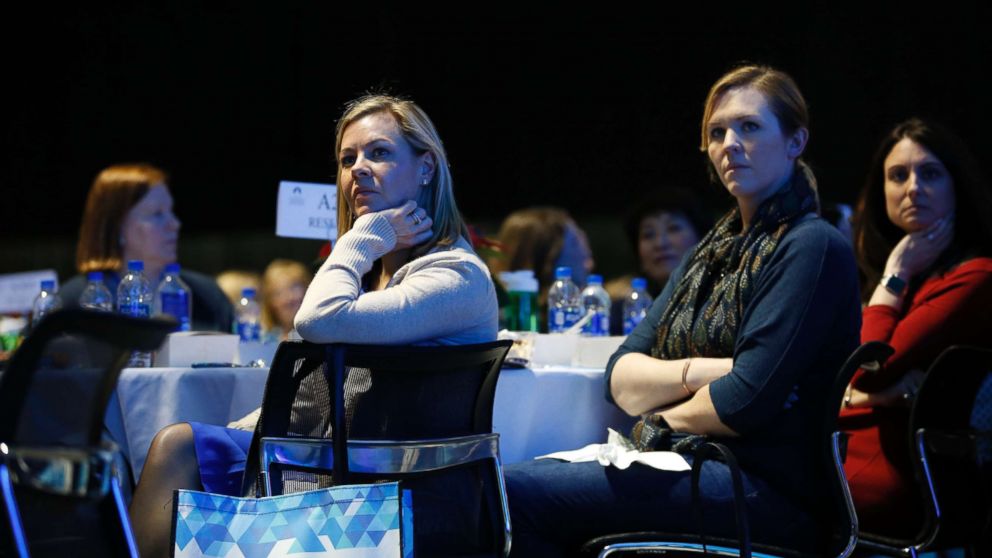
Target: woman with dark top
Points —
{"points": [[661, 229], [402, 272], [923, 239], [740, 345], [129, 216]]}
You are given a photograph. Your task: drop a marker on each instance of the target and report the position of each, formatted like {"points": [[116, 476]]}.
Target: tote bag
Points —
{"points": [[349, 521]]}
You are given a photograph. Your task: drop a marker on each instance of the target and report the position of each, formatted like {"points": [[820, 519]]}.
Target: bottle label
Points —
{"points": [[249, 331], [176, 304], [598, 325], [631, 319], [561, 318], [136, 309]]}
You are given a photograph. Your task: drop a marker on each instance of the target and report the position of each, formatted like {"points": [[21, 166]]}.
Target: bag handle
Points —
{"points": [[708, 450], [334, 357]]}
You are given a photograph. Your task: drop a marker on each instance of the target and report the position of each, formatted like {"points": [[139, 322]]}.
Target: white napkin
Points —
{"points": [[618, 451]]}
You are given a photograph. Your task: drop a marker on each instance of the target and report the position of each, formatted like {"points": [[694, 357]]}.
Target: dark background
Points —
{"points": [[587, 110]]}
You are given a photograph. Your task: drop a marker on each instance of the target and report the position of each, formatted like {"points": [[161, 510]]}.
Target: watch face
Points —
{"points": [[894, 284]]}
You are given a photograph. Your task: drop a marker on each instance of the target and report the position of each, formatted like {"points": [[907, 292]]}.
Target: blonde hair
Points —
{"points": [[420, 132], [233, 281], [114, 192], [279, 268]]}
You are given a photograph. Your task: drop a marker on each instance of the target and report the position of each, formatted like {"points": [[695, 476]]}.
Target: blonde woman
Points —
{"points": [[401, 272]]}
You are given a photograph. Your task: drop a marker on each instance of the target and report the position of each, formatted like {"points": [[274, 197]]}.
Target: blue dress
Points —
{"points": [[221, 454]]}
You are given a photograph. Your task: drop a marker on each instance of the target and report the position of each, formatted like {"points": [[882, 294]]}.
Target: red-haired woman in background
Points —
{"points": [[129, 216]]}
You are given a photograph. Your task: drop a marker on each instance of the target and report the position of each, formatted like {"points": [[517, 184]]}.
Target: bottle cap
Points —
{"points": [[94, 276], [248, 292], [594, 279], [48, 285], [563, 272], [639, 283], [135, 265], [520, 281], [172, 268]]}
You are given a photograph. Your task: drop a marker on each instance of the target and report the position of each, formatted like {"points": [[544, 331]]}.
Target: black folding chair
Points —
{"points": [[58, 492], [950, 430], [422, 415], [836, 516]]}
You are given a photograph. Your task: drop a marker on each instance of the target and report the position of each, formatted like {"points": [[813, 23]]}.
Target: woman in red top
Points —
{"points": [[923, 234]]}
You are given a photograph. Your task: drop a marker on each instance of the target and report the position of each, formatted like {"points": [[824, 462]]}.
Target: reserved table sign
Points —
{"points": [[17, 290], [307, 210]]}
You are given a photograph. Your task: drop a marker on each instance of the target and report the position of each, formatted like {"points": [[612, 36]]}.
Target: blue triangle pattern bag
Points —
{"points": [[349, 521]]}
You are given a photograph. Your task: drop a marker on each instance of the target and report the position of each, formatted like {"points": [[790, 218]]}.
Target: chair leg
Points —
{"points": [[507, 531], [18, 541], [125, 522]]}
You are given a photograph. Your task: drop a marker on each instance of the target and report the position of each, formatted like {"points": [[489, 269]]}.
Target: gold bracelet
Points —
{"points": [[685, 374]]}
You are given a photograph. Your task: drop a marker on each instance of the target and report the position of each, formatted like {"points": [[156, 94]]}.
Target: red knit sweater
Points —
{"points": [[952, 309]]}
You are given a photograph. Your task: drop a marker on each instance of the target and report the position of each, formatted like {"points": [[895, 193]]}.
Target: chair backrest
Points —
{"points": [[950, 408], [56, 386], [837, 513], [389, 393], [53, 398]]}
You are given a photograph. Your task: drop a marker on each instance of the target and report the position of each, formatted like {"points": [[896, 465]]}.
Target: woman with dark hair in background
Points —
{"points": [[661, 229], [741, 345], [923, 237], [129, 216]]}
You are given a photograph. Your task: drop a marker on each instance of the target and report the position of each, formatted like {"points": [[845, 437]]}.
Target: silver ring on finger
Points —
{"points": [[416, 218]]}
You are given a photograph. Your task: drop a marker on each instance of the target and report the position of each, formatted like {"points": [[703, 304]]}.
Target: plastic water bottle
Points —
{"points": [[96, 295], [174, 298], [636, 306], [134, 298], [564, 308], [521, 313], [596, 301], [249, 328], [45, 303]]}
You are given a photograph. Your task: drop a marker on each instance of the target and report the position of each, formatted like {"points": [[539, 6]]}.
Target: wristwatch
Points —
{"points": [[894, 284]]}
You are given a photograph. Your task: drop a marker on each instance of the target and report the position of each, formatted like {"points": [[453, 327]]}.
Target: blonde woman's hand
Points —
{"points": [[411, 224], [919, 250]]}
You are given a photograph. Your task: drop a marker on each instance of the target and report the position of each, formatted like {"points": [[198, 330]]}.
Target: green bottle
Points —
{"points": [[522, 312]]}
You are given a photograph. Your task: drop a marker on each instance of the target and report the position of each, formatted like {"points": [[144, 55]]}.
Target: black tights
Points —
{"points": [[171, 464]]}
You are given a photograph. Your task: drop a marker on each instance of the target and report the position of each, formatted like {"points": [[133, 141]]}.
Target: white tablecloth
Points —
{"points": [[153, 398], [552, 409], [536, 411]]}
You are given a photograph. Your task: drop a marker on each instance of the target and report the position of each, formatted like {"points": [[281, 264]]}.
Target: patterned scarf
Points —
{"points": [[705, 309]]}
